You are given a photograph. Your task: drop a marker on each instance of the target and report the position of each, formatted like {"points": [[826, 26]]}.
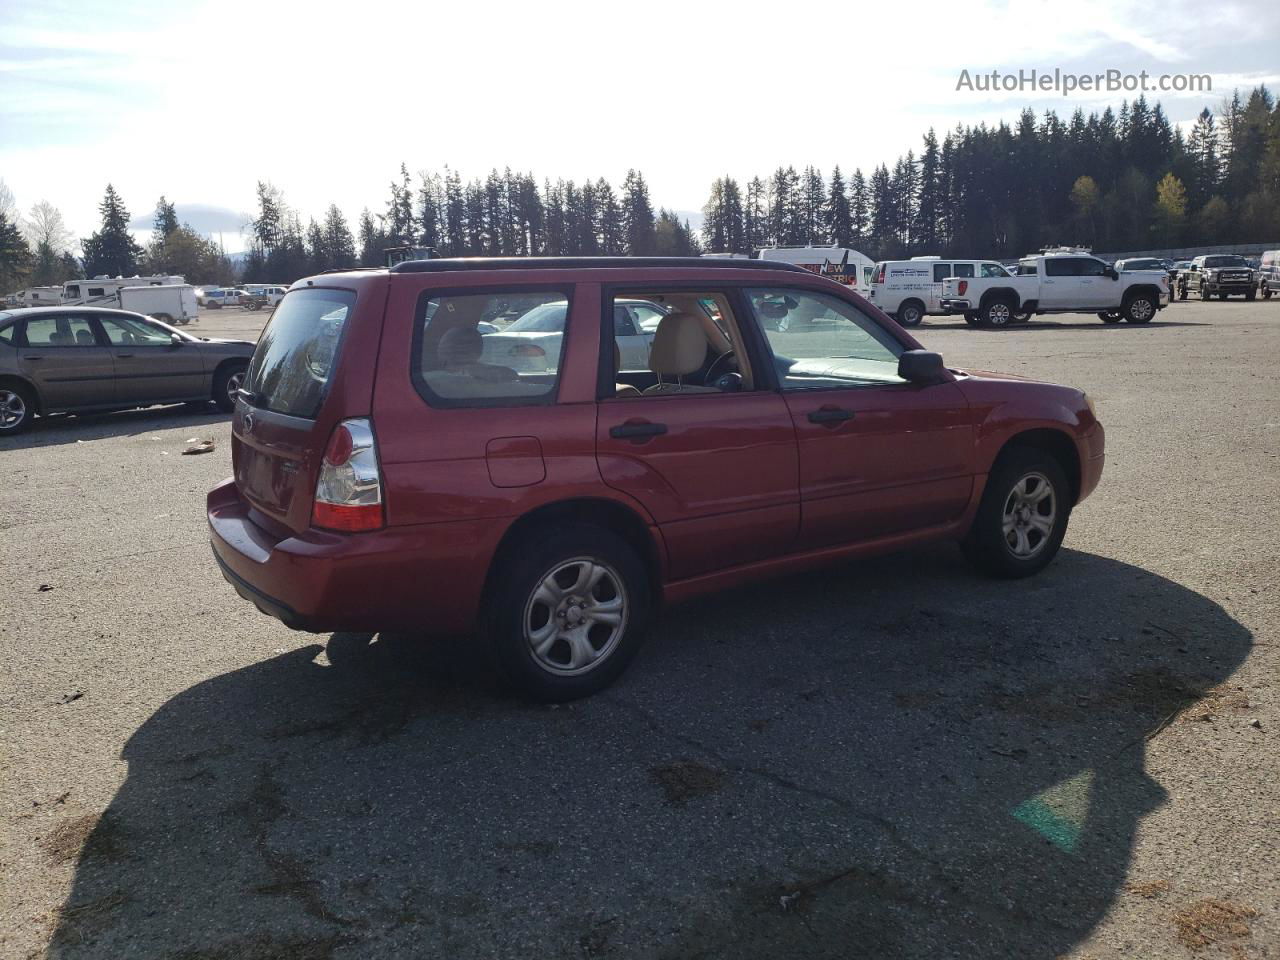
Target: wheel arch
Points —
{"points": [[16, 380], [1147, 288], [612, 515], [1005, 294], [1058, 444]]}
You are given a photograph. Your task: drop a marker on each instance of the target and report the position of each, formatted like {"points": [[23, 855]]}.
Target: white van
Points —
{"points": [[841, 264], [908, 290]]}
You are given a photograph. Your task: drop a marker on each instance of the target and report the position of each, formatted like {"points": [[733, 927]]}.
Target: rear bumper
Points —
{"points": [[954, 306], [425, 578]]}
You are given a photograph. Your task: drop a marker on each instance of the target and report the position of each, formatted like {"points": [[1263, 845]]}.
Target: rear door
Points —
{"points": [[940, 272], [61, 354], [149, 365], [280, 428], [877, 456], [715, 470]]}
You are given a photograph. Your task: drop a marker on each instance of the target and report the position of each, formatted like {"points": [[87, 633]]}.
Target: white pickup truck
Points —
{"points": [[1058, 283]]}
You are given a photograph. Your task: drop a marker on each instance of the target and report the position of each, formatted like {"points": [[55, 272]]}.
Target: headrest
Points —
{"points": [[85, 338], [460, 345], [679, 346]]}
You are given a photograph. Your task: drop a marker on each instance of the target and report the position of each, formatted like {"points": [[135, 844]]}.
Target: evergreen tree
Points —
{"points": [[613, 234], [735, 230], [15, 255], [112, 250], [838, 221], [859, 210], [637, 215], [339, 245], [372, 240], [166, 220], [755, 217]]}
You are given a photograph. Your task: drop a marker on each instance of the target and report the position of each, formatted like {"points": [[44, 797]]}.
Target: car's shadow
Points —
{"points": [[1060, 325], [888, 759], [76, 428]]}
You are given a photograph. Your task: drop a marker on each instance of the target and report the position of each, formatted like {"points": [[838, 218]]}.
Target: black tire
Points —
{"points": [[997, 313], [1266, 293], [910, 313], [511, 596], [1251, 294], [225, 382], [971, 318], [1222, 295], [1204, 294], [1109, 316], [163, 318], [17, 408], [986, 545], [1139, 308], [1182, 292]]}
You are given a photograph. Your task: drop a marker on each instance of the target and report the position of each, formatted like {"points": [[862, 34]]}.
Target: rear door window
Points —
{"points": [[941, 271], [60, 331], [293, 364], [962, 270], [461, 358]]}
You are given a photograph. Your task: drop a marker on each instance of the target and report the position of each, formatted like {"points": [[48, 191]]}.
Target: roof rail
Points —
{"points": [[448, 264]]}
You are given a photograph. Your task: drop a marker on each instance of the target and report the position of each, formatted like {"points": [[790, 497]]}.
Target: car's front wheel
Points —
{"points": [[1110, 316], [17, 408], [1139, 309], [1023, 515], [567, 607]]}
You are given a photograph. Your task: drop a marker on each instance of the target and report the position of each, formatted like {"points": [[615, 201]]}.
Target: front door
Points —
{"points": [[878, 456], [61, 355], [150, 367]]}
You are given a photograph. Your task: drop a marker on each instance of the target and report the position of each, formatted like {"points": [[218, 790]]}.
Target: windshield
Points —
{"points": [[294, 360], [1224, 262], [548, 318]]}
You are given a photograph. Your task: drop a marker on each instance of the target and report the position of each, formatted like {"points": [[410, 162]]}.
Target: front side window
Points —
{"points": [[1090, 267], [73, 291], [457, 362], [993, 270], [127, 332], [820, 342], [63, 331]]}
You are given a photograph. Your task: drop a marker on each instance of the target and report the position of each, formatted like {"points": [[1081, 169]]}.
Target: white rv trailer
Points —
{"points": [[841, 264]]}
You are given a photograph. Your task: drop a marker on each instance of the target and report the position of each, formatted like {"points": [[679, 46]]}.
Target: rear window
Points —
{"points": [[461, 358], [293, 364]]}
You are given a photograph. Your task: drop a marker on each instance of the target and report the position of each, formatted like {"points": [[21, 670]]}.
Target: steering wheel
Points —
{"points": [[715, 363]]}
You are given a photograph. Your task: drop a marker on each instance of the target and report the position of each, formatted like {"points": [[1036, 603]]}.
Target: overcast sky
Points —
{"points": [[198, 101]]}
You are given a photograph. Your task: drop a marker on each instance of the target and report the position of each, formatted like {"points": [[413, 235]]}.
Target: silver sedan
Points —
{"points": [[80, 359]]}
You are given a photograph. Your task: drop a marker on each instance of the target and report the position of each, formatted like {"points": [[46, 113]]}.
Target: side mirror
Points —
{"points": [[175, 340], [922, 366], [1113, 273]]}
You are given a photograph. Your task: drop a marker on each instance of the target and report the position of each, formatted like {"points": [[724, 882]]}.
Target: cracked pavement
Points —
{"points": [[890, 758]]}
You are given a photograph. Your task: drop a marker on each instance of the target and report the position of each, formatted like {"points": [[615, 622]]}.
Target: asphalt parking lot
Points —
{"points": [[892, 758]]}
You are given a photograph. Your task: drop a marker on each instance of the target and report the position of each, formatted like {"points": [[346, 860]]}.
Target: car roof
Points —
{"points": [[22, 312], [450, 264]]}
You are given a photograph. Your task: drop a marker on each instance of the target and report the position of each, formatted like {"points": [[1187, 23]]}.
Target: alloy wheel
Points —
{"points": [[576, 616], [998, 314], [1029, 514], [234, 383], [13, 409]]}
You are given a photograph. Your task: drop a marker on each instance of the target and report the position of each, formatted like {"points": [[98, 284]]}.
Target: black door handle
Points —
{"points": [[124, 356], [29, 357], [830, 415], [637, 429]]}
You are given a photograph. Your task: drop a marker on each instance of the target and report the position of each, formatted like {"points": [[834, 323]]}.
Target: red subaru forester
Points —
{"points": [[541, 451]]}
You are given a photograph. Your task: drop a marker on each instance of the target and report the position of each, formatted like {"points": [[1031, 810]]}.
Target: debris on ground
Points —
{"points": [[45, 588], [1212, 921], [1149, 890], [203, 446], [71, 697], [1215, 702]]}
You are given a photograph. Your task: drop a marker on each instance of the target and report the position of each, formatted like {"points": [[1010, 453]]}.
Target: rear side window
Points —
{"points": [[292, 367], [60, 331], [962, 270], [467, 352], [941, 271]]}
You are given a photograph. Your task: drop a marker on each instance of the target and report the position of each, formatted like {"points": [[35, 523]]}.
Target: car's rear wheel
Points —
{"points": [[1266, 292], [1250, 294], [911, 313], [17, 408], [1023, 515], [997, 313], [226, 385], [567, 609]]}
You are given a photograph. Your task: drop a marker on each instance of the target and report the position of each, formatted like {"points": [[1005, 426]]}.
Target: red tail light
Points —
{"points": [[349, 487], [962, 287]]}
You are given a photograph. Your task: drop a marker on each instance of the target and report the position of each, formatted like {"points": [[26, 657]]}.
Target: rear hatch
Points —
{"points": [[279, 433]]}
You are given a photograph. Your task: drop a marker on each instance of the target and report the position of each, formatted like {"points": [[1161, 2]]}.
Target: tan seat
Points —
{"points": [[622, 389], [679, 349]]}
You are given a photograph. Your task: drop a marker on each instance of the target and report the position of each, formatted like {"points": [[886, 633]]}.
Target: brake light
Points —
{"points": [[962, 287], [349, 487]]}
